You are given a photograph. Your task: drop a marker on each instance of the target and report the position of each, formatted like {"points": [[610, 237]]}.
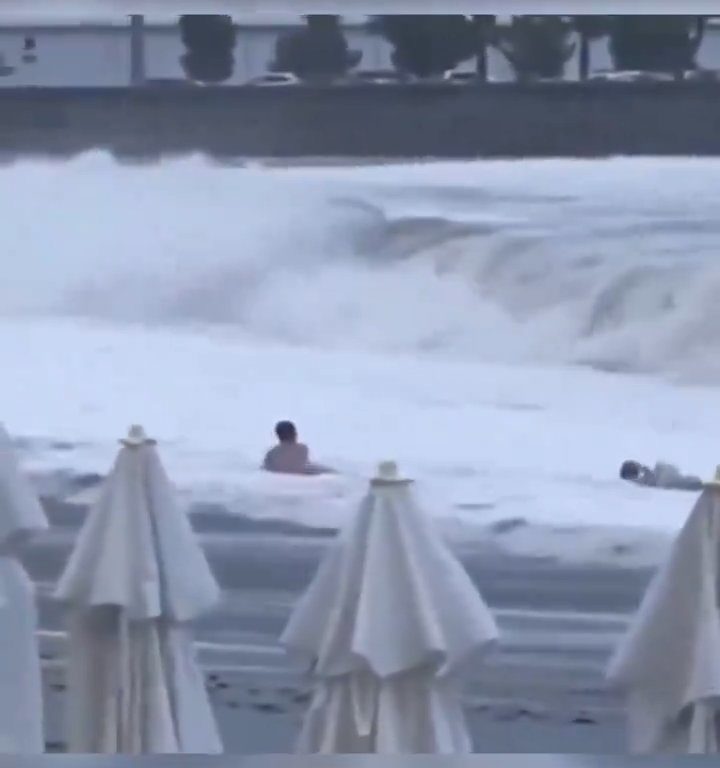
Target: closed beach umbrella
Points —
{"points": [[135, 580], [389, 625], [668, 665], [21, 516]]}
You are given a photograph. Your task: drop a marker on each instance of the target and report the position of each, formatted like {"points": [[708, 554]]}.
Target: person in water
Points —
{"points": [[662, 476], [290, 457]]}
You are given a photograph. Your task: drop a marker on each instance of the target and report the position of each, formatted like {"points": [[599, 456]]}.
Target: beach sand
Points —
{"points": [[541, 692]]}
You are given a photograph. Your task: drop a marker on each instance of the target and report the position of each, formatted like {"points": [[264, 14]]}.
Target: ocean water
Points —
{"points": [[509, 331]]}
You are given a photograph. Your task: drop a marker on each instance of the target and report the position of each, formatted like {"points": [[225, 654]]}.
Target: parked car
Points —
{"points": [[707, 75], [377, 76], [460, 78], [631, 76], [274, 79]]}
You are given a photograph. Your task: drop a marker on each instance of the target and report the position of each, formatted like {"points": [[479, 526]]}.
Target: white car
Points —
{"points": [[275, 78], [702, 74], [376, 76], [461, 78], [631, 76]]}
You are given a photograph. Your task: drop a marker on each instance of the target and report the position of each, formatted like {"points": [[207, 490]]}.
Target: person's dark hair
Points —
{"points": [[286, 431], [630, 470]]}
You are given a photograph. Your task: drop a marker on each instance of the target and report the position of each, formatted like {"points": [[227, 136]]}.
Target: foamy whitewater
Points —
{"points": [[509, 331]]}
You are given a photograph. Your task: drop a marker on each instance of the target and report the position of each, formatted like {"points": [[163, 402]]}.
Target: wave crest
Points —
{"points": [[510, 269]]}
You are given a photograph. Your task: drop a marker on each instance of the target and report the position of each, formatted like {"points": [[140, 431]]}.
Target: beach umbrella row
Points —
{"points": [[387, 629]]}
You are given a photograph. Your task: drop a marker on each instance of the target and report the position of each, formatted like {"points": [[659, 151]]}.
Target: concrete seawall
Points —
{"points": [[494, 120]]}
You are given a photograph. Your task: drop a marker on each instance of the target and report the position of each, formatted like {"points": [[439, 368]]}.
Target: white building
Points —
{"points": [[72, 53], [69, 52]]}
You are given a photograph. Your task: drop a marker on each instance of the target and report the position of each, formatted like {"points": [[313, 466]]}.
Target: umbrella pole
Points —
{"points": [[123, 693]]}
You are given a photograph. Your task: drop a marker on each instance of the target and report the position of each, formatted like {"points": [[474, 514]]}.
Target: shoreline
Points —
{"points": [[66, 496]]}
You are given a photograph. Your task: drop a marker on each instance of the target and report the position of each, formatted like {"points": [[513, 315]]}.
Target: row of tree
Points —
{"points": [[426, 46]]}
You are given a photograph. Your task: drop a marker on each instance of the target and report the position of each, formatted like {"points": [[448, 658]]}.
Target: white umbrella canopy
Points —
{"points": [[21, 516], [388, 625], [668, 665], [135, 579]]}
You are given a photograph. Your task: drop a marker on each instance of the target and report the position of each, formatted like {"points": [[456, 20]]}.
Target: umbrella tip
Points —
{"points": [[136, 436], [389, 474], [387, 470]]}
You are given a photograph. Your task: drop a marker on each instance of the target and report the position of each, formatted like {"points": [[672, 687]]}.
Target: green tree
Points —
{"points": [[656, 43], [536, 46], [589, 28], [317, 51], [428, 45], [209, 40]]}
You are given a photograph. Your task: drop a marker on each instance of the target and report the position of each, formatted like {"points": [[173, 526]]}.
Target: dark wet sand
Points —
{"points": [[542, 692]]}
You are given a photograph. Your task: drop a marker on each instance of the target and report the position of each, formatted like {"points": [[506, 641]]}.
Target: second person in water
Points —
{"points": [[661, 476]]}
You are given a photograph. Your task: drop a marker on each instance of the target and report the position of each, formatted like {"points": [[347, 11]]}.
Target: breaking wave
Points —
{"points": [[606, 263]]}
